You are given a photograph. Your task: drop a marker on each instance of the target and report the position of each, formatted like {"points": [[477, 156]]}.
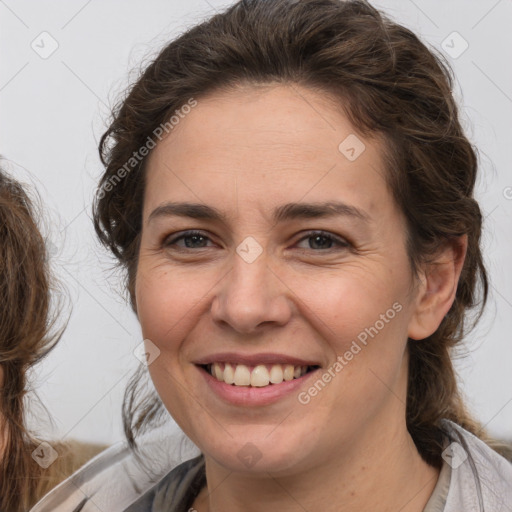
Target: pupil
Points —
{"points": [[194, 239], [316, 238]]}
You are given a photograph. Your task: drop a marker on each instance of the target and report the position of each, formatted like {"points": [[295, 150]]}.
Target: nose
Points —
{"points": [[251, 295]]}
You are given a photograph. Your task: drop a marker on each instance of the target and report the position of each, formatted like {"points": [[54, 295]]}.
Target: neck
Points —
{"points": [[382, 471]]}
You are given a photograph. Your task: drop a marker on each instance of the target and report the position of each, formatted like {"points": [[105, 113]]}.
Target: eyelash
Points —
{"points": [[342, 243]]}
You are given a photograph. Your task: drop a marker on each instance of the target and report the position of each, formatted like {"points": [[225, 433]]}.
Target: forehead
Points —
{"points": [[268, 145]]}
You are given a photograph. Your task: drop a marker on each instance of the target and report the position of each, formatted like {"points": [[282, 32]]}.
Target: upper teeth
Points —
{"points": [[259, 376]]}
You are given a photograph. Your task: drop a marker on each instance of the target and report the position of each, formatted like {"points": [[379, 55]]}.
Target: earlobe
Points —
{"points": [[437, 288]]}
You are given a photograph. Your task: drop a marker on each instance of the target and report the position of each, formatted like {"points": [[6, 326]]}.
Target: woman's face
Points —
{"points": [[245, 271]]}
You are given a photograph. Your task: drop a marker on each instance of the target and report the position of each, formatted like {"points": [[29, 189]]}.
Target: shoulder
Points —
{"points": [[116, 478], [176, 491], [481, 479], [71, 455]]}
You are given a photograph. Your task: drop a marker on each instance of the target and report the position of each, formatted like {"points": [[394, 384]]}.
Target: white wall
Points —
{"points": [[54, 110]]}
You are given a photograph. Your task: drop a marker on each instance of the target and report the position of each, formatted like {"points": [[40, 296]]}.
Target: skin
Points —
{"points": [[246, 152]]}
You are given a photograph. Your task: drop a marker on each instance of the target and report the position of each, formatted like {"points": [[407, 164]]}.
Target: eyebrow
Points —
{"points": [[289, 211]]}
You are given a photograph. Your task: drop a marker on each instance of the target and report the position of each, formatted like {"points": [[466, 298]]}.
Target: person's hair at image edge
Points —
{"points": [[390, 85], [26, 338], [31, 302]]}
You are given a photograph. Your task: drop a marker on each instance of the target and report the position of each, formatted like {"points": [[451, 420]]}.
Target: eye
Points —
{"points": [[323, 241], [317, 241], [190, 239]]}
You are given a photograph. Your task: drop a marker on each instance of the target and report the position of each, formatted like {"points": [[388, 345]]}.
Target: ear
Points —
{"points": [[437, 287]]}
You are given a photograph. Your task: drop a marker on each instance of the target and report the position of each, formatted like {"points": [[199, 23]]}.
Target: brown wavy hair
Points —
{"points": [[26, 338], [389, 83], [29, 316]]}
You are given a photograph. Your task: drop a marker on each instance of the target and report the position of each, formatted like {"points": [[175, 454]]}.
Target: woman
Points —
{"points": [[291, 194], [29, 468]]}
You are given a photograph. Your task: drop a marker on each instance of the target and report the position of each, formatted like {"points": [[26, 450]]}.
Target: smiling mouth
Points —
{"points": [[259, 376]]}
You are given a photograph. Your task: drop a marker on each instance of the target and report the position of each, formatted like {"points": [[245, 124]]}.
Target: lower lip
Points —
{"points": [[254, 396]]}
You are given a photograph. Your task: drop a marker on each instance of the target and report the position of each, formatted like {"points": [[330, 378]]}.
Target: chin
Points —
{"points": [[259, 453]]}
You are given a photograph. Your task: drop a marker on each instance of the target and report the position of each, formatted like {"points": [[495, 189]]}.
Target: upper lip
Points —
{"points": [[254, 359]]}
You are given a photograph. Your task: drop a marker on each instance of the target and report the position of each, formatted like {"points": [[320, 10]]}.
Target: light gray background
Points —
{"points": [[54, 110]]}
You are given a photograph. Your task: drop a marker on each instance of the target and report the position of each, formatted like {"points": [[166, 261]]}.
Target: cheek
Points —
{"points": [[364, 328], [170, 302], [167, 305], [348, 302], [364, 323], [161, 298]]}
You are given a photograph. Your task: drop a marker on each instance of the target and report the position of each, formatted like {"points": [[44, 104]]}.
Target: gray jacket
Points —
{"points": [[474, 478]]}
